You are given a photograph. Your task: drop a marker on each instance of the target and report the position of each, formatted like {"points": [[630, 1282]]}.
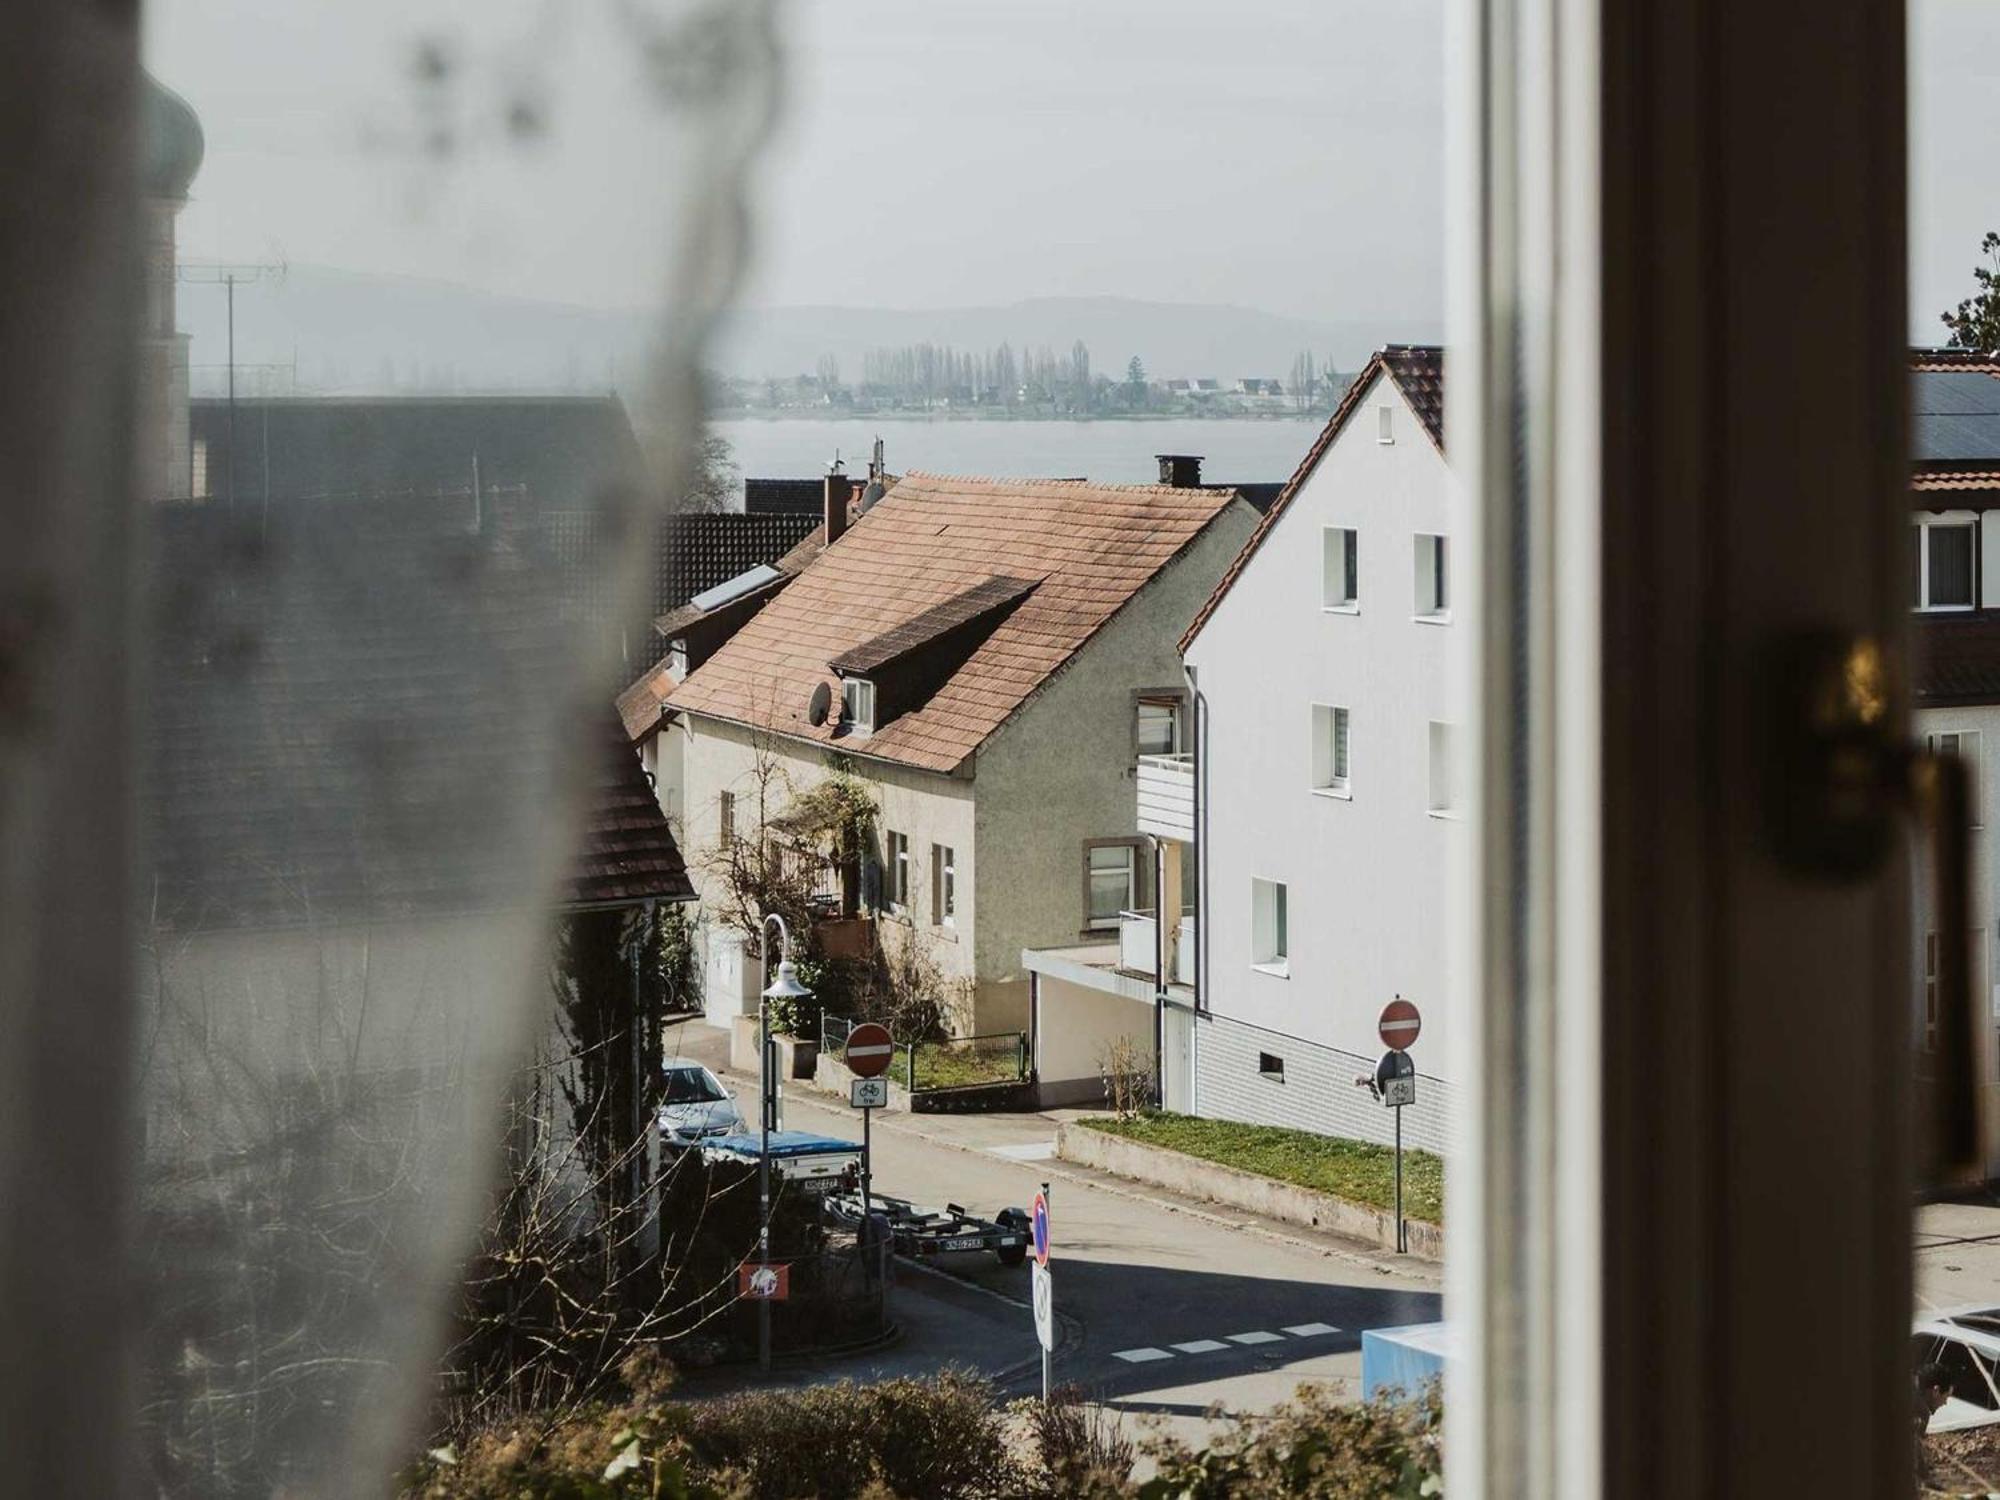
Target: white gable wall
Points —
{"points": [[1365, 874]]}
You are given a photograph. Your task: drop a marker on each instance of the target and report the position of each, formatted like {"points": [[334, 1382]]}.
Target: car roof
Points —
{"points": [[1977, 1326]]}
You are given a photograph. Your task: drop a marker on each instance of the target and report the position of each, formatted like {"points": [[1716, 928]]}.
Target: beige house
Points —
{"points": [[991, 658]]}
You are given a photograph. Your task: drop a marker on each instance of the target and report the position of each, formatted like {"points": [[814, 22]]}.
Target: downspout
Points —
{"points": [[1200, 738], [1159, 972]]}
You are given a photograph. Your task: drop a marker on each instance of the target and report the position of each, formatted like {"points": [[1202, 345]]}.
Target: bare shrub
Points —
{"points": [[1127, 1074], [1080, 1451]]}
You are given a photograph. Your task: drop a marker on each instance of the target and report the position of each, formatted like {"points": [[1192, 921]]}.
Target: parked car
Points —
{"points": [[1967, 1344], [695, 1106]]}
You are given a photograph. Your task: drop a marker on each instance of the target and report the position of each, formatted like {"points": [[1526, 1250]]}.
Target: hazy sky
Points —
{"points": [[1282, 154]]}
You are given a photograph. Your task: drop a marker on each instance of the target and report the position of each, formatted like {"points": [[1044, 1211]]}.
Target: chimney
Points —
{"points": [[1181, 470], [838, 489]]}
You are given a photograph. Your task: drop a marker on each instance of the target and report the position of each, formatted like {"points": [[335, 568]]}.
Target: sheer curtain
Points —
{"points": [[254, 1070]]}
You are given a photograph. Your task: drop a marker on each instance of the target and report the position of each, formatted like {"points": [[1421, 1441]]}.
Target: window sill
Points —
{"points": [[1276, 971], [1446, 814], [1942, 609], [1442, 617], [1338, 793], [1340, 609]]}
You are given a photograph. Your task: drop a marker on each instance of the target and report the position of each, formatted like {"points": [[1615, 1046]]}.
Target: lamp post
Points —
{"points": [[785, 987]]}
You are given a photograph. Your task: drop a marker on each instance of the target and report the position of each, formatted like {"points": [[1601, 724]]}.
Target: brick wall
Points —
{"points": [[1317, 1091]]}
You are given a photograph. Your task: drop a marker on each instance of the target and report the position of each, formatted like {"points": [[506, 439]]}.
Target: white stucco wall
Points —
{"points": [[1064, 769], [1366, 874], [1080, 1023]]}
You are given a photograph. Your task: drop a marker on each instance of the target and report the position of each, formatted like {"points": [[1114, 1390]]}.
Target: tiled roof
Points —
{"points": [[699, 551], [928, 541], [1955, 479], [1957, 658], [1954, 359], [1418, 371], [328, 728]]}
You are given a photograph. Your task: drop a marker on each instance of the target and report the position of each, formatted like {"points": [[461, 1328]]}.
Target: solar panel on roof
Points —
{"points": [[1955, 393], [736, 588]]}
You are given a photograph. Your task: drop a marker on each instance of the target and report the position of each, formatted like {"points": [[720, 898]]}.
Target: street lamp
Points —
{"points": [[785, 987]]}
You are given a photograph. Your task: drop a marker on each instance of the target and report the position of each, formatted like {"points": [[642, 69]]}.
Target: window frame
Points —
{"points": [[1441, 745], [725, 819], [896, 847], [1171, 697], [856, 693], [1346, 600], [1924, 524], [1270, 927], [944, 886], [1432, 583], [1137, 882], [1332, 752]]}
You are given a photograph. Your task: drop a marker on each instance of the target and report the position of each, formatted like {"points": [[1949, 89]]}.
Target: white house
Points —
{"points": [[990, 657], [1319, 777]]}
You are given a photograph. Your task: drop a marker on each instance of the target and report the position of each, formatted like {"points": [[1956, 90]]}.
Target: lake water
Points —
{"points": [[1235, 450]]}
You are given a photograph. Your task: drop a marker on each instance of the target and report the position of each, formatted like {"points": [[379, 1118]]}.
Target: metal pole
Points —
{"points": [[1402, 1244], [1046, 1356], [867, 1226]]}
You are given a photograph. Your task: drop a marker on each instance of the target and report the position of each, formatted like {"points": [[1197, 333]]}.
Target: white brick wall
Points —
{"points": [[1318, 1091]]}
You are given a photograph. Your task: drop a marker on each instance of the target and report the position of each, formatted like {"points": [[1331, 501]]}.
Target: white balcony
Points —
{"points": [[1136, 937], [1183, 966], [1166, 796]]}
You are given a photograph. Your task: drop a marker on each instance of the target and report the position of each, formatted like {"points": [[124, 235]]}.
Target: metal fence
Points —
{"points": [[959, 1062]]}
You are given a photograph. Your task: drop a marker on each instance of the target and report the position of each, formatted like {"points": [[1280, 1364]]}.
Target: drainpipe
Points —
{"points": [[1159, 971], [1200, 737]]}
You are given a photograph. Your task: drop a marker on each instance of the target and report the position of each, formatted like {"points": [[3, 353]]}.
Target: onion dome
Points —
{"points": [[170, 142]]}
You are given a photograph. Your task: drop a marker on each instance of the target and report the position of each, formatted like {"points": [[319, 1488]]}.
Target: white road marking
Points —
{"points": [[1201, 1346], [1032, 1151], [1309, 1330], [1258, 1336], [1141, 1356]]}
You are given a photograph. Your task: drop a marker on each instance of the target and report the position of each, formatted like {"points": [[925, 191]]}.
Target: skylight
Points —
{"points": [[736, 588]]}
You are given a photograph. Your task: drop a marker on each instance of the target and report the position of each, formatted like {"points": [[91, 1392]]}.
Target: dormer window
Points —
{"points": [[1945, 555], [857, 705], [677, 658]]}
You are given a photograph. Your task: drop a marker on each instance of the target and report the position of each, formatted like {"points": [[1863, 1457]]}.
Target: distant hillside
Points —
{"points": [[362, 333]]}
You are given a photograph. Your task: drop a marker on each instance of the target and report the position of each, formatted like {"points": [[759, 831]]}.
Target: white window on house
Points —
{"points": [[1159, 724], [1111, 883], [944, 886], [1433, 590], [725, 818], [1340, 568], [897, 868], [1441, 799], [1330, 750], [1271, 1066], [857, 704], [1945, 556], [677, 658], [1270, 944], [1964, 743], [1385, 424]]}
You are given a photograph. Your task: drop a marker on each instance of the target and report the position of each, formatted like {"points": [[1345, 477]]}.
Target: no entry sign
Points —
{"points": [[1399, 1025], [870, 1050]]}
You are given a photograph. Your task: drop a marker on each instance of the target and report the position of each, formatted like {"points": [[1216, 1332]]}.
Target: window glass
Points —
{"points": [[1950, 568], [1112, 881], [1440, 767], [1159, 726], [1340, 567], [1270, 945], [1433, 595], [1329, 748]]}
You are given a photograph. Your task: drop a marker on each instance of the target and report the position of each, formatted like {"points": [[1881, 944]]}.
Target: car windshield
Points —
{"points": [[692, 1086]]}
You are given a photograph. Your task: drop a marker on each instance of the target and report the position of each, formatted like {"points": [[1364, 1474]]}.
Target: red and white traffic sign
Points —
{"points": [[870, 1050], [1038, 1228], [1399, 1025]]}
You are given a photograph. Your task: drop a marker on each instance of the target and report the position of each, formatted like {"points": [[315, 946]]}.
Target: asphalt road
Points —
{"points": [[1165, 1305]]}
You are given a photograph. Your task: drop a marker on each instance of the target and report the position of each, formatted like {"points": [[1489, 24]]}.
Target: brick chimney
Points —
{"points": [[838, 489], [1181, 470]]}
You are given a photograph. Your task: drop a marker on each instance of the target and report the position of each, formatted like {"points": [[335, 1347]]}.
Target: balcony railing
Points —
{"points": [[1166, 796], [1184, 950], [1135, 946]]}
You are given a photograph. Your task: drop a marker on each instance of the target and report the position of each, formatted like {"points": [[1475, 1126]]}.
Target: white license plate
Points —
{"points": [[965, 1242]]}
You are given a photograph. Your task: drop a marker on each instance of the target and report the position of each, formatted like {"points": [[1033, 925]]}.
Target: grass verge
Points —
{"points": [[945, 1065], [1354, 1170]]}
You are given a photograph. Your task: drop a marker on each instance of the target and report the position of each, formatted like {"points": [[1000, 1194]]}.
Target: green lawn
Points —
{"points": [[1347, 1169], [945, 1065]]}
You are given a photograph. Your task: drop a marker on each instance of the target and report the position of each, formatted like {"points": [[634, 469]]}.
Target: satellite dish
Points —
{"points": [[822, 701]]}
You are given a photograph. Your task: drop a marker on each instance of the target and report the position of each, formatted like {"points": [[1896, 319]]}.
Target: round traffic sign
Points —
{"points": [[1399, 1025], [870, 1050], [1038, 1227]]}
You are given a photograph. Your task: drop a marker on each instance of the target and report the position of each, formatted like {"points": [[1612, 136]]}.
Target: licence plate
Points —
{"points": [[965, 1242]]}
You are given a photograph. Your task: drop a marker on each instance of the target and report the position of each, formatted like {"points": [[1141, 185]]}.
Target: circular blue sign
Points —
{"points": [[1038, 1225]]}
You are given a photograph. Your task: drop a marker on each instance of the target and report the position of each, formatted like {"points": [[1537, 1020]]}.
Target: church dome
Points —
{"points": [[170, 142]]}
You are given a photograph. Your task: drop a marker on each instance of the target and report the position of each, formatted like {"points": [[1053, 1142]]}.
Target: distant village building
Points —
{"points": [[171, 146]]}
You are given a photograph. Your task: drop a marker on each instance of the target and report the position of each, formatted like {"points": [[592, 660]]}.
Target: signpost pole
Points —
{"points": [[867, 1222], [1402, 1243], [1045, 1347]]}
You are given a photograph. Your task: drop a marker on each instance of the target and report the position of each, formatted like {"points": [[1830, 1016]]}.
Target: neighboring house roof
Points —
{"points": [[328, 724], [1957, 659], [1955, 412], [1417, 370], [929, 542], [564, 450], [701, 551], [973, 604], [1926, 481]]}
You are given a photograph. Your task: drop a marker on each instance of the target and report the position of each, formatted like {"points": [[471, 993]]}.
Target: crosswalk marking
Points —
{"points": [[1308, 1330], [1148, 1354], [1201, 1346], [1257, 1336], [1141, 1356]]}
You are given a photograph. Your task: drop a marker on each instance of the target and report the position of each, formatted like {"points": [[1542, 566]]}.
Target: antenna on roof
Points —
{"points": [[836, 467]]}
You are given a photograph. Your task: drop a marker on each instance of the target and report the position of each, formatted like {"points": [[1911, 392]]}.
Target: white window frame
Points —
{"points": [[1270, 927], [1385, 423], [1944, 520], [1172, 704], [1442, 746], [1340, 570], [898, 862], [857, 705], [1963, 743], [944, 886], [1332, 750], [1432, 558], [1092, 922]]}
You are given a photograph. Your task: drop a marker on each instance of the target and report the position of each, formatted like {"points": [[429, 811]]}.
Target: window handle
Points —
{"points": [[1844, 778]]}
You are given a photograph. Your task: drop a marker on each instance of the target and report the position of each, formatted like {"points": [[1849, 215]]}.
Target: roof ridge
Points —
{"points": [[1074, 484]]}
